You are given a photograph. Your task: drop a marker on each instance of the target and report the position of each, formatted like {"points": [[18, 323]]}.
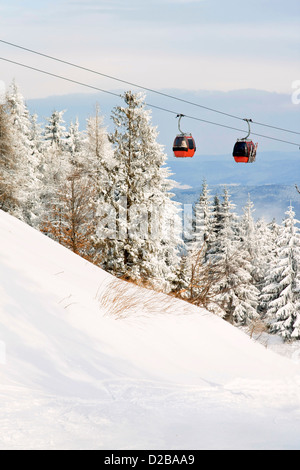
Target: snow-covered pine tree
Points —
{"points": [[68, 195], [99, 166], [75, 196], [265, 258], [273, 234], [255, 238], [36, 145], [25, 154], [148, 245], [99, 156], [268, 290], [55, 167], [248, 227], [216, 225], [223, 225], [283, 290], [190, 275], [8, 188], [74, 144], [199, 271], [234, 291], [202, 223], [55, 130]]}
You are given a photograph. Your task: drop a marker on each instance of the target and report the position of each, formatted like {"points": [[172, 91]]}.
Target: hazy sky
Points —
{"points": [[187, 44]]}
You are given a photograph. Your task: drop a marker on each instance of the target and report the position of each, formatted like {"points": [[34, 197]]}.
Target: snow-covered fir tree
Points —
{"points": [[255, 238], [55, 130], [202, 222], [282, 291], [235, 292], [74, 144], [199, 270], [8, 170], [223, 219], [190, 275], [99, 166], [264, 257], [270, 234], [55, 167], [37, 147], [216, 225], [149, 222], [25, 154]]}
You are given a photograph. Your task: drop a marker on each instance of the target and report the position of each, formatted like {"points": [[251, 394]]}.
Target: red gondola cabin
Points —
{"points": [[244, 151], [184, 146]]}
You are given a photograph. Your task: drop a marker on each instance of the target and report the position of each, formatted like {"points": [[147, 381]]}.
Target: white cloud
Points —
{"points": [[177, 185]]}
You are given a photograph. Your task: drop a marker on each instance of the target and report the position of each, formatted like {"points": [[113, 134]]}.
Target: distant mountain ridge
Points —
{"points": [[269, 168], [270, 201], [261, 106]]}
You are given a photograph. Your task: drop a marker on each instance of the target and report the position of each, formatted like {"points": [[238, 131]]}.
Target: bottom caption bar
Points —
{"points": [[139, 459]]}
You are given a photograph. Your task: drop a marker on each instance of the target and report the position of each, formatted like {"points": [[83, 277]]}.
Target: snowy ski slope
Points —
{"points": [[74, 374]]}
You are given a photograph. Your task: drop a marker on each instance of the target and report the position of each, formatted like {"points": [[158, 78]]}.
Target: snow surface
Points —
{"points": [[168, 375]]}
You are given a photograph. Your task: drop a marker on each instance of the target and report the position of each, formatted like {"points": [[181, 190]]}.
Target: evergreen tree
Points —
{"points": [[254, 237], [69, 194], [55, 131], [203, 219], [74, 144], [283, 290], [55, 167], [264, 259], [216, 226], [26, 179], [149, 222], [191, 272], [99, 166], [36, 150], [268, 291], [8, 188], [235, 293]]}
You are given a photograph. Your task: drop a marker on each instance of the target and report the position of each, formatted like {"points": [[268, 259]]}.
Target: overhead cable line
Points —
{"points": [[147, 104], [166, 95], [59, 76]]}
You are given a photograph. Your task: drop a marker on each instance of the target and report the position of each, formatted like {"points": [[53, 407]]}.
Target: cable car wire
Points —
{"points": [[147, 104], [143, 87], [59, 76]]}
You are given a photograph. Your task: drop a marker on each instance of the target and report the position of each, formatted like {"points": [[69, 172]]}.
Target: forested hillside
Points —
{"points": [[108, 197]]}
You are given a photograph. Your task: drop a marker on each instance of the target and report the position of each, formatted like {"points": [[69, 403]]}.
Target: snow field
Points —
{"points": [[174, 377]]}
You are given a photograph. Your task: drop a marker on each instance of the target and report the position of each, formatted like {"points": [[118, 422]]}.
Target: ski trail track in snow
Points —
{"points": [[77, 378], [146, 415]]}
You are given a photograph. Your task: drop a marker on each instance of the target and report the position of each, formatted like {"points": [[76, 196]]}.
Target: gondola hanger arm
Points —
{"points": [[180, 116], [249, 130]]}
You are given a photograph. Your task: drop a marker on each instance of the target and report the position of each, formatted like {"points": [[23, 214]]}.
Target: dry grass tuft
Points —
{"points": [[256, 330], [123, 299]]}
